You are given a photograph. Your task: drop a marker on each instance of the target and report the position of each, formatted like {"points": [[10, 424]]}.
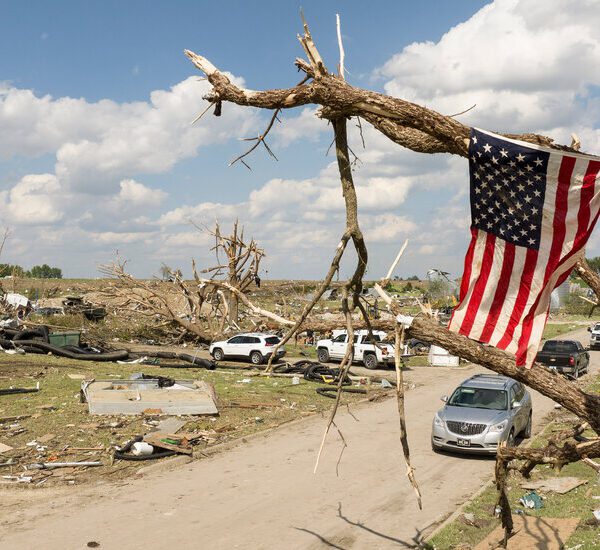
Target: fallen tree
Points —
{"points": [[423, 130]]}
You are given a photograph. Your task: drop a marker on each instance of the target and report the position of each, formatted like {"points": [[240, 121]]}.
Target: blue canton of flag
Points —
{"points": [[508, 183]]}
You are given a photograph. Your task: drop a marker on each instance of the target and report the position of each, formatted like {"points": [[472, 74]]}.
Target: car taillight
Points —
{"points": [[571, 360]]}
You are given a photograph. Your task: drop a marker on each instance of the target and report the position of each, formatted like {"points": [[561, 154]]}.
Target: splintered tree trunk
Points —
{"points": [[233, 304]]}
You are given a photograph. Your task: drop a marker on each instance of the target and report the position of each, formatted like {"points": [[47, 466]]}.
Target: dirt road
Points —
{"points": [[263, 494]]}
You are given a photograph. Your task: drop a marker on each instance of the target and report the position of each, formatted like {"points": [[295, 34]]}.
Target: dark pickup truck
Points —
{"points": [[568, 357]]}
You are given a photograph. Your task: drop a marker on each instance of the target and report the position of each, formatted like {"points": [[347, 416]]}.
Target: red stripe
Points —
{"points": [[507, 266], [561, 205], [587, 194], [464, 283], [480, 285], [524, 290]]}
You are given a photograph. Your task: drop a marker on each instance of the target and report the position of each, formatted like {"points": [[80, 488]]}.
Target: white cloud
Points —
{"points": [[137, 194], [525, 65], [35, 200]]}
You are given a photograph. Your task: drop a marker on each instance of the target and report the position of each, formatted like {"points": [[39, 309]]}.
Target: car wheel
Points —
{"points": [[322, 355], [576, 373], [370, 361], [528, 428], [419, 348], [510, 442], [435, 449], [218, 354], [256, 358]]}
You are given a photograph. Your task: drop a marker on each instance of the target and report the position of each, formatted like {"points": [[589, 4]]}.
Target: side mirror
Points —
{"points": [[444, 398], [516, 404], [589, 329]]}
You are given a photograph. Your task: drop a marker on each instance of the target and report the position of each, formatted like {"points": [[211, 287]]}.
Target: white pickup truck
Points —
{"points": [[594, 336], [370, 354]]}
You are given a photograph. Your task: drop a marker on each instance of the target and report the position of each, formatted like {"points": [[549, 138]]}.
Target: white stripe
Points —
{"points": [[489, 291], [461, 310], [511, 295]]}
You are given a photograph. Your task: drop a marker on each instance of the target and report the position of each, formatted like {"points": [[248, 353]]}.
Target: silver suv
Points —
{"points": [[482, 412]]}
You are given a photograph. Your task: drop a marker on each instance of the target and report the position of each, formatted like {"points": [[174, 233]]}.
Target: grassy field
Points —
{"points": [[56, 415]]}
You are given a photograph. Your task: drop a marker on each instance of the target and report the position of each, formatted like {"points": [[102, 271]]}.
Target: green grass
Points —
{"points": [[554, 330], [56, 408]]}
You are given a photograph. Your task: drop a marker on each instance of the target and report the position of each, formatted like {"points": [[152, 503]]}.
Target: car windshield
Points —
{"points": [[596, 328], [478, 398], [559, 346]]}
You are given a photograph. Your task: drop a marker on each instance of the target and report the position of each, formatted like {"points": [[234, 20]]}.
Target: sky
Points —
{"points": [[98, 155]]}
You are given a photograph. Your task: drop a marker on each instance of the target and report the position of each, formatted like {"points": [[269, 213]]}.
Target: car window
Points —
{"points": [[559, 346], [251, 340], [597, 327], [514, 398], [272, 340], [340, 338], [367, 339], [478, 398], [236, 340]]}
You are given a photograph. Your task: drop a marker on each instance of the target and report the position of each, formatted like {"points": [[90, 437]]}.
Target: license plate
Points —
{"points": [[463, 442]]}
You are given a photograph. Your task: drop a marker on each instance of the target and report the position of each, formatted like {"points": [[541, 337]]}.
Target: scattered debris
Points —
{"points": [[53, 465], [560, 485], [4, 448], [532, 500]]}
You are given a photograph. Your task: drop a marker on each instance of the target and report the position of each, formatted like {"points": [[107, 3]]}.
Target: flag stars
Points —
{"points": [[520, 157], [504, 152], [487, 148], [538, 162]]}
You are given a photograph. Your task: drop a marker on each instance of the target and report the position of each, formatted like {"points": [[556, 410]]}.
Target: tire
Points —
{"points": [[576, 373], [218, 354], [256, 358], [370, 361], [510, 442], [419, 349], [528, 428], [322, 355]]}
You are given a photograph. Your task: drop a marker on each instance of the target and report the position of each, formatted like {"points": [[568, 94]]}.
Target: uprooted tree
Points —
{"points": [[426, 131], [206, 309]]}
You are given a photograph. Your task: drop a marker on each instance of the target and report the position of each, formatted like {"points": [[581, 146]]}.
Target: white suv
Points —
{"points": [[370, 354], [252, 345]]}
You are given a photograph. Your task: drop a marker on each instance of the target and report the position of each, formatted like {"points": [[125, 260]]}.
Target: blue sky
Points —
{"points": [[98, 155]]}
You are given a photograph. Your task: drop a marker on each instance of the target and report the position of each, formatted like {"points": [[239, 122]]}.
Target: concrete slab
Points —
{"points": [[131, 397]]}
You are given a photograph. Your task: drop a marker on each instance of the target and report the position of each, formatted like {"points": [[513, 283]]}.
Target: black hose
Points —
{"points": [[122, 452], [9, 391], [61, 352]]}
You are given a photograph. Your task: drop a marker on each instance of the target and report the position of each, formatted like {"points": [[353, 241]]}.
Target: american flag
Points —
{"points": [[532, 212]]}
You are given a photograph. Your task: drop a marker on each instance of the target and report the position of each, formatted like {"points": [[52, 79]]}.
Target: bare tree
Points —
{"points": [[206, 307], [423, 130], [239, 262]]}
